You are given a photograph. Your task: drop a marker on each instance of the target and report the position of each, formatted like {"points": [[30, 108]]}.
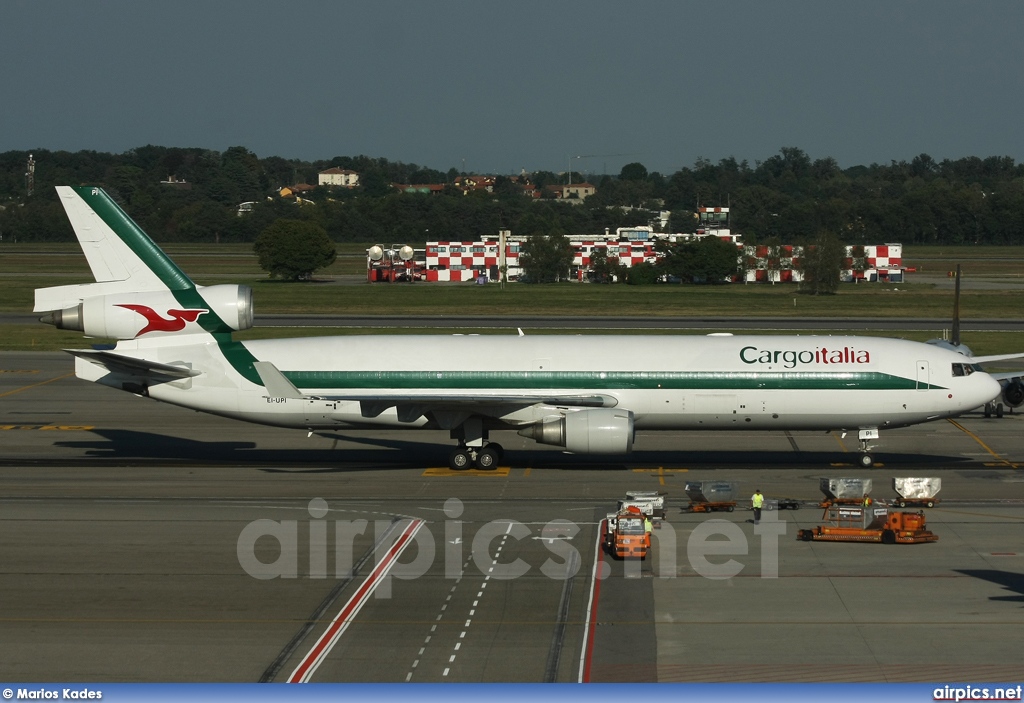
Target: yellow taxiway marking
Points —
{"points": [[976, 438], [60, 428], [439, 471], [35, 385], [840, 441], [661, 471]]}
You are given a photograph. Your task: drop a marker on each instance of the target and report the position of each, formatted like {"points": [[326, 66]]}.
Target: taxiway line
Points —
{"points": [[590, 621], [36, 385], [984, 446], [309, 664]]}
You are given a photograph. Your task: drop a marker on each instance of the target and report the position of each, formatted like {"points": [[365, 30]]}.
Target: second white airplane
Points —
{"points": [[584, 393]]}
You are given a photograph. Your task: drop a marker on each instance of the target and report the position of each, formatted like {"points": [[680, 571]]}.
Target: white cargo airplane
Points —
{"points": [[587, 394]]}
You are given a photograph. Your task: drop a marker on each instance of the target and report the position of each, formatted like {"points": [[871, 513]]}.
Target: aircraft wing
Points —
{"points": [[1006, 375], [995, 357], [115, 363], [372, 405]]}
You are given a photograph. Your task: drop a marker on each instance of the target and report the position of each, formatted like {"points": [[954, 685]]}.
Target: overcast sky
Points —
{"points": [[503, 86]]}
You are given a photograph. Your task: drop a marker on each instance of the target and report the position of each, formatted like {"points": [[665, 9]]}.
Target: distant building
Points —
{"points": [[581, 191], [178, 183], [292, 191], [577, 192], [338, 177]]}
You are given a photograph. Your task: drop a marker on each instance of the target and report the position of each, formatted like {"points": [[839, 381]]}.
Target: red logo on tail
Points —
{"points": [[177, 321]]}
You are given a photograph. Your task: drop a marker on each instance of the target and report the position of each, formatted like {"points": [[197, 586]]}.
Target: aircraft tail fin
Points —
{"points": [[122, 257], [138, 289]]}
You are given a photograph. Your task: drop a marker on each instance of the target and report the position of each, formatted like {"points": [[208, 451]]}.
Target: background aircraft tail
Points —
{"points": [[138, 289]]}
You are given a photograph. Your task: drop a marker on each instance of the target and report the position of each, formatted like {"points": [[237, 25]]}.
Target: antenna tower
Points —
{"points": [[30, 175]]}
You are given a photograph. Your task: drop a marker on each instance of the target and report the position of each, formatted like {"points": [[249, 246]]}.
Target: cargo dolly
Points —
{"points": [[844, 491], [917, 492], [782, 504], [711, 496]]}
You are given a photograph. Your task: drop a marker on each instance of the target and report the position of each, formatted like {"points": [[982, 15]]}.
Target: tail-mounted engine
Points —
{"points": [[597, 431], [133, 315]]}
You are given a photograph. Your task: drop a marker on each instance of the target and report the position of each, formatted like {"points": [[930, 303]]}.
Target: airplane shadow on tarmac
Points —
{"points": [[120, 445], [1007, 579]]}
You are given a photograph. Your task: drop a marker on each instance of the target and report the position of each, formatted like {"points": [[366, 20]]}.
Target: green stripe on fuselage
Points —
{"points": [[603, 380]]}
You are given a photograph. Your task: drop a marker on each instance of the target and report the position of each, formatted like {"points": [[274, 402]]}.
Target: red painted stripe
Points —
{"points": [[338, 625]]}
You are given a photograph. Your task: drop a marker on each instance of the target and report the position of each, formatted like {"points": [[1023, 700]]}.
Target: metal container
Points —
{"points": [[649, 502], [917, 488], [712, 491], [845, 488]]}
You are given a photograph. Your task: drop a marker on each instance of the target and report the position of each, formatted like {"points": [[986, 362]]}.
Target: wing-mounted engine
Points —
{"points": [[1013, 392], [221, 308], [596, 431]]}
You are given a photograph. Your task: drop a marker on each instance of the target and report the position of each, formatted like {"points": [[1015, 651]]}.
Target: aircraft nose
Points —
{"points": [[989, 389]]}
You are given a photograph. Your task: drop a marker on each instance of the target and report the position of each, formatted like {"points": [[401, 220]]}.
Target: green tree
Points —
{"points": [[546, 258], [821, 264], [605, 269], [294, 249], [635, 171], [707, 260], [642, 274]]}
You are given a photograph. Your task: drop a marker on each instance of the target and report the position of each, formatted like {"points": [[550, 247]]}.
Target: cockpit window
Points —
{"points": [[962, 369]]}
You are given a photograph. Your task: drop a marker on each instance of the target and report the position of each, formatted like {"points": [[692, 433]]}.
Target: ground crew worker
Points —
{"points": [[647, 524], [756, 502], [867, 501]]}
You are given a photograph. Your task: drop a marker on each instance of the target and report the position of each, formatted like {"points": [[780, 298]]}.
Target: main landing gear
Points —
{"points": [[474, 451], [485, 457], [994, 408]]}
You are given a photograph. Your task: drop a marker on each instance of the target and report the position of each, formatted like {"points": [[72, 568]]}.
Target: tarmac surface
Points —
{"points": [[144, 542]]}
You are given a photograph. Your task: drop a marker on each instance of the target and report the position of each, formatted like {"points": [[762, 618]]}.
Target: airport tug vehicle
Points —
{"points": [[849, 523], [709, 496], [626, 533]]}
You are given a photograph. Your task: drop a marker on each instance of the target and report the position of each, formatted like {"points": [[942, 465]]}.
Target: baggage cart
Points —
{"points": [[709, 496], [844, 491], [917, 491]]}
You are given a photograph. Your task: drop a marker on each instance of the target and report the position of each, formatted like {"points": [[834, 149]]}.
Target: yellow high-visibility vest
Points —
{"points": [[757, 500]]}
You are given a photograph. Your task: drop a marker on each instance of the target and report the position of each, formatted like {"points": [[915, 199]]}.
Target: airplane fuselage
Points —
{"points": [[717, 382]]}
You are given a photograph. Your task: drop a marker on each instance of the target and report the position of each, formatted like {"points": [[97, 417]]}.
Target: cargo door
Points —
{"points": [[923, 374]]}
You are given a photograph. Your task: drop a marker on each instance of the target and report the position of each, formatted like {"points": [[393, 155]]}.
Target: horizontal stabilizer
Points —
{"points": [[275, 382], [116, 363]]}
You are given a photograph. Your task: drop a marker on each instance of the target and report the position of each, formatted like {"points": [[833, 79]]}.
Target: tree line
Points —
{"points": [[788, 197]]}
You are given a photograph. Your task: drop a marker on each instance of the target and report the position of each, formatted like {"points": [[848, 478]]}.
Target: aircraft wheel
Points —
{"points": [[988, 409], [460, 459], [999, 409], [487, 458], [500, 450], [866, 460]]}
